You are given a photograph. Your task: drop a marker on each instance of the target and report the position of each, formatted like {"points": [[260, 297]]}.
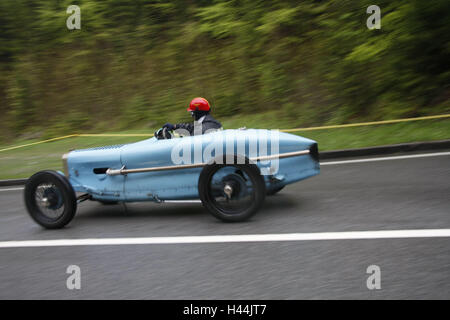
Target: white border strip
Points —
{"points": [[350, 235], [182, 201], [13, 189], [424, 155]]}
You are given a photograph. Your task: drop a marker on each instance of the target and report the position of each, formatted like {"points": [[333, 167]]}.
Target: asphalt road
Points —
{"points": [[383, 195]]}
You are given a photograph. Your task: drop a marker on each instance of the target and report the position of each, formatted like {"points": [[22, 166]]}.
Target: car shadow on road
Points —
{"points": [[279, 203], [276, 204], [95, 210]]}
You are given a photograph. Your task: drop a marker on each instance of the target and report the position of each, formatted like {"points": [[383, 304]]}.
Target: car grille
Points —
{"points": [[314, 152]]}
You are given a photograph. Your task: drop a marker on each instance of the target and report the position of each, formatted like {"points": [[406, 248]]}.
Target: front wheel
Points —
{"points": [[232, 192], [50, 199]]}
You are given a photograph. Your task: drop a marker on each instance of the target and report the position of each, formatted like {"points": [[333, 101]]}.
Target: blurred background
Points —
{"points": [[136, 64]]}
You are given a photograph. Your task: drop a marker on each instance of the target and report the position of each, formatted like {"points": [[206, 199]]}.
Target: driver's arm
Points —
{"points": [[185, 126]]}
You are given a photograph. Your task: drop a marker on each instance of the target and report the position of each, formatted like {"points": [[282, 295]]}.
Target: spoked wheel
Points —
{"points": [[233, 192], [50, 199]]}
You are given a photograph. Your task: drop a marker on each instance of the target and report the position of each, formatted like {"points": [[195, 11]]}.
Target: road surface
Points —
{"points": [[390, 195]]}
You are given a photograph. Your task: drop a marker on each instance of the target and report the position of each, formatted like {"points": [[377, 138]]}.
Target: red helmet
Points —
{"points": [[199, 104]]}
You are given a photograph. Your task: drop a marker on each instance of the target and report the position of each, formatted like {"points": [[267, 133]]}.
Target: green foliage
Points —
{"points": [[22, 105], [135, 112], [137, 63], [221, 20]]}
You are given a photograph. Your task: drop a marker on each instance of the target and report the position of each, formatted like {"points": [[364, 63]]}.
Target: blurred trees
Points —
{"points": [[139, 62]]}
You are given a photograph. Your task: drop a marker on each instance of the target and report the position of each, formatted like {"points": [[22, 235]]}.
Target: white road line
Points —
{"points": [[424, 155], [12, 189], [182, 201], [350, 235]]}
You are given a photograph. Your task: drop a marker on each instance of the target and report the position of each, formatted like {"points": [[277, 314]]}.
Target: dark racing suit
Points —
{"points": [[206, 123]]}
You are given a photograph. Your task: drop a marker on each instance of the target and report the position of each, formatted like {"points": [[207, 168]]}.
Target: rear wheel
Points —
{"points": [[232, 192], [50, 199]]}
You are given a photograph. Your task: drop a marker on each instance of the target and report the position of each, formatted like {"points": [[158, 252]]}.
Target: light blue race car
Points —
{"points": [[230, 171]]}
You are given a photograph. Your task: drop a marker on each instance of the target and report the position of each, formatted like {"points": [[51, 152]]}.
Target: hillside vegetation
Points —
{"points": [[136, 64]]}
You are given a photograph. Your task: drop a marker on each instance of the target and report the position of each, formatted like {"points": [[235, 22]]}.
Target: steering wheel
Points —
{"points": [[163, 134]]}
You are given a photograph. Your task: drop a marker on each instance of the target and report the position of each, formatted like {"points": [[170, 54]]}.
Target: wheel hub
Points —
{"points": [[45, 202], [51, 199], [233, 185], [228, 190]]}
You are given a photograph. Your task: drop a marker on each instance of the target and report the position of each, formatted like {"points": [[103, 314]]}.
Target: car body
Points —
{"points": [[157, 169], [86, 169]]}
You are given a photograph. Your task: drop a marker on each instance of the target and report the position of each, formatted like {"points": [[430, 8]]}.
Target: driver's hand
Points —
{"points": [[169, 126]]}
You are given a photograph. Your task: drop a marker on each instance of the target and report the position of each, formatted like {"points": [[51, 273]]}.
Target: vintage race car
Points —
{"points": [[230, 171]]}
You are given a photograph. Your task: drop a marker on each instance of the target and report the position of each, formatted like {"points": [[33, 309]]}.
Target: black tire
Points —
{"points": [[257, 195], [275, 191], [62, 198]]}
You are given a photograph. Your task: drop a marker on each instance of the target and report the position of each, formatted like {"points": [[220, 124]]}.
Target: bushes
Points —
{"points": [[142, 61]]}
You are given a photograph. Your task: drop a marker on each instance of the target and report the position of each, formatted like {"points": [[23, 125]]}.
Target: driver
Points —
{"points": [[200, 111]]}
